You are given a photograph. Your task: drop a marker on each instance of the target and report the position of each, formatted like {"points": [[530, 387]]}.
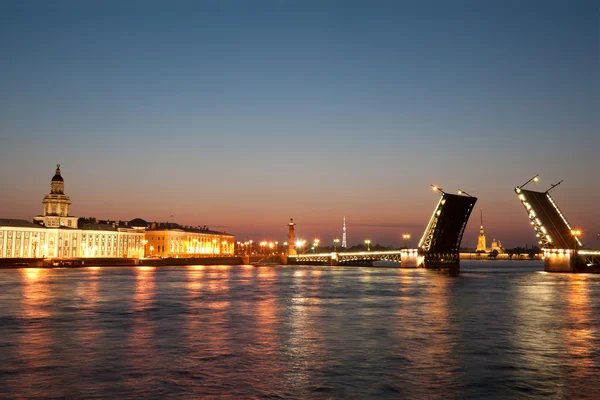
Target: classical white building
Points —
{"points": [[55, 233]]}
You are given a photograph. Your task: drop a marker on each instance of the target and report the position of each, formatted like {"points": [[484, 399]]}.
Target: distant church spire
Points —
{"points": [[344, 234], [481, 242]]}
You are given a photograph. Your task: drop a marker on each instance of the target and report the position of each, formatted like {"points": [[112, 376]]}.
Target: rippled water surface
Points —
{"points": [[499, 329]]}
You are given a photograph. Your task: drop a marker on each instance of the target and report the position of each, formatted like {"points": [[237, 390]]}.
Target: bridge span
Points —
{"points": [[438, 248], [563, 249]]}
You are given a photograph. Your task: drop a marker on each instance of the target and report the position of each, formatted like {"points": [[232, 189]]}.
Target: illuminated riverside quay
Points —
{"points": [[62, 239], [57, 238]]}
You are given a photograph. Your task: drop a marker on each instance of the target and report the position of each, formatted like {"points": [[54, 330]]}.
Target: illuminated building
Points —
{"points": [[56, 205], [167, 239], [481, 243], [56, 234]]}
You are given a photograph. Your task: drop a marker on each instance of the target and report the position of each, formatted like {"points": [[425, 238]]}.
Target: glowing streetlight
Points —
{"points": [[368, 243], [534, 179], [316, 244], [406, 236], [576, 233], [335, 242], [151, 249]]}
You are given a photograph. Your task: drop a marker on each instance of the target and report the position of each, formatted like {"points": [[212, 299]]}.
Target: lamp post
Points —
{"points": [[368, 243], [576, 233], [406, 236], [151, 250], [285, 245], [316, 244], [299, 245], [534, 179], [335, 242]]}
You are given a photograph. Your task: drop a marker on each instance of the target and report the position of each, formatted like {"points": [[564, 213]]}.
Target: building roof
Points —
{"points": [[138, 223], [57, 177], [165, 226], [21, 223], [97, 227]]}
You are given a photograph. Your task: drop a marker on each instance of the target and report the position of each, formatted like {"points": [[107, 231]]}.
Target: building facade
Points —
{"points": [[173, 240], [57, 234]]}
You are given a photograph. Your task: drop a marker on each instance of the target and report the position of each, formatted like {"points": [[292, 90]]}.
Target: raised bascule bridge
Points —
{"points": [[438, 247], [563, 249]]}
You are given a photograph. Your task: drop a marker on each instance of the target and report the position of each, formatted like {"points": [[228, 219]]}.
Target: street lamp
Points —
{"points": [[368, 243], [335, 242], [576, 233], [406, 236], [299, 245], [151, 250], [144, 242], [316, 244], [534, 179]]}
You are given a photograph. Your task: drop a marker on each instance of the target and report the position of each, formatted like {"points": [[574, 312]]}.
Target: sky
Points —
{"points": [[241, 114]]}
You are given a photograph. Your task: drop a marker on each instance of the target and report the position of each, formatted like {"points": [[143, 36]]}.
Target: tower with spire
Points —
{"points": [[56, 204], [344, 234], [481, 244]]}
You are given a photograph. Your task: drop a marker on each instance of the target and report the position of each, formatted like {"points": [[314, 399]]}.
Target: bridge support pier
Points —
{"points": [[409, 259], [557, 260]]}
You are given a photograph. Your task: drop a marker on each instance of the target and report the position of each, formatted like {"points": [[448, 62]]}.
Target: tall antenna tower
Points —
{"points": [[344, 234]]}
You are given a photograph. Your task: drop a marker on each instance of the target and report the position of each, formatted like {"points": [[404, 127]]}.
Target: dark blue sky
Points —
{"points": [[244, 113]]}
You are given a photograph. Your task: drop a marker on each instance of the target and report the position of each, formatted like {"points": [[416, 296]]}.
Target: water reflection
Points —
{"points": [[141, 349], [581, 330], [425, 334], [297, 332], [35, 341], [35, 293]]}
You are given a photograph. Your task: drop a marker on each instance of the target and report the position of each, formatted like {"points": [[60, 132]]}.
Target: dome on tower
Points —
{"points": [[57, 177]]}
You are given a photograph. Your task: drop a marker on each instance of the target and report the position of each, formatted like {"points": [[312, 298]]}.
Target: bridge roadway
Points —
{"points": [[407, 258], [563, 249]]}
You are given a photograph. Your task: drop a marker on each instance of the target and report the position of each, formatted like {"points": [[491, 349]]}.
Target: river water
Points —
{"points": [[500, 329]]}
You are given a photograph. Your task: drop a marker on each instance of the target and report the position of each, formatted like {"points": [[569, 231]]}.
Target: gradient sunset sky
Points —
{"points": [[241, 114]]}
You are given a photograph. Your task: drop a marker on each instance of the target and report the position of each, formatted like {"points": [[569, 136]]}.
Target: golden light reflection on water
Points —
{"points": [[302, 343], [194, 283], [36, 292], [34, 343], [141, 336], [581, 331]]}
